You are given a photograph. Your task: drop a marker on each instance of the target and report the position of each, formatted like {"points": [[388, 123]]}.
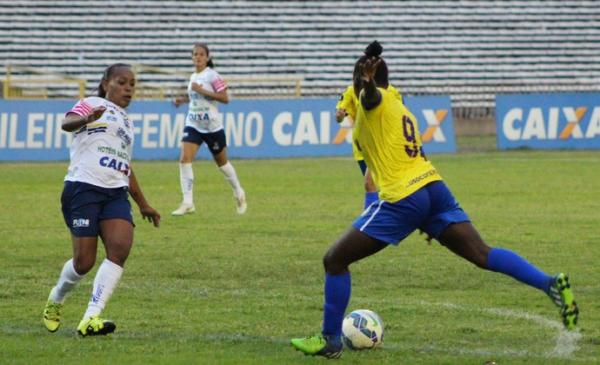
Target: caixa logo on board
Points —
{"points": [[548, 121]]}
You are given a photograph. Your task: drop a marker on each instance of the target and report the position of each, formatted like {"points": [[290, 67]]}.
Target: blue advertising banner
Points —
{"points": [[31, 130], [548, 121]]}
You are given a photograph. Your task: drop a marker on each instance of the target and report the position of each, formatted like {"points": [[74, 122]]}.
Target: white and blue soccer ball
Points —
{"points": [[362, 329]]}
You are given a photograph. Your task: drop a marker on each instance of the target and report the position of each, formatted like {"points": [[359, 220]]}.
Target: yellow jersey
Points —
{"points": [[389, 139], [349, 102]]}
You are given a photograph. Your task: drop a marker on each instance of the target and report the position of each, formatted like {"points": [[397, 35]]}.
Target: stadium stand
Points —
{"points": [[470, 50]]}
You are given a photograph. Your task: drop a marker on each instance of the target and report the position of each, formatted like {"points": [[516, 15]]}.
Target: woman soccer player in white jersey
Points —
{"points": [[204, 124], [94, 199]]}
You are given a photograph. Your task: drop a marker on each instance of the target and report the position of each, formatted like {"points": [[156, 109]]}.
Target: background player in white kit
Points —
{"points": [[204, 124], [94, 199]]}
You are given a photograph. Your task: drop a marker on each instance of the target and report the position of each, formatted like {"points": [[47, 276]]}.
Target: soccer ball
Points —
{"points": [[362, 329]]}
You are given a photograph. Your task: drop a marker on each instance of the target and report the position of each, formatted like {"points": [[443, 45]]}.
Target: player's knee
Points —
{"points": [[333, 265], [117, 250], [480, 262], [480, 256], [118, 256], [83, 264], [118, 259]]}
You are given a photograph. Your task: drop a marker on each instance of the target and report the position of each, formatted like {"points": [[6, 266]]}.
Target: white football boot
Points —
{"points": [[240, 201], [184, 209]]}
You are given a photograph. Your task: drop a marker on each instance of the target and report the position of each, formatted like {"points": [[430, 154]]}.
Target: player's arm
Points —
{"points": [[74, 121], [340, 114], [344, 106], [340, 108], [146, 210], [220, 96], [371, 97]]}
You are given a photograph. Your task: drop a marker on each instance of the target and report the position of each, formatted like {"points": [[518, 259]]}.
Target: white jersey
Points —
{"points": [[203, 113], [101, 150]]}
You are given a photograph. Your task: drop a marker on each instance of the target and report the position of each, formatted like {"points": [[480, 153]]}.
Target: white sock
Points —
{"points": [[66, 282], [232, 178], [186, 179], [106, 280]]}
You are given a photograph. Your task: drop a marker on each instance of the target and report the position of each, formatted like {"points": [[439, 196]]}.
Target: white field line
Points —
{"points": [[250, 338], [540, 158], [566, 341]]}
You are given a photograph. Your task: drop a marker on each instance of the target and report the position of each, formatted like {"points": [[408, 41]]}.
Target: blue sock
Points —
{"points": [[337, 296], [511, 264], [370, 197]]}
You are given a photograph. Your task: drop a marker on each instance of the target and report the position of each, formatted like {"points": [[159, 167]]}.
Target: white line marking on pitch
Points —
{"points": [[566, 341]]}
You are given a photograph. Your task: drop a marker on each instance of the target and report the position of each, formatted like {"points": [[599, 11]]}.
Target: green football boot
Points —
{"points": [[319, 345], [560, 293], [52, 315], [94, 326]]}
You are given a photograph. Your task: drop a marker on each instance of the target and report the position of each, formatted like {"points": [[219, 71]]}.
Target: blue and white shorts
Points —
{"points": [[215, 141], [431, 209], [85, 205]]}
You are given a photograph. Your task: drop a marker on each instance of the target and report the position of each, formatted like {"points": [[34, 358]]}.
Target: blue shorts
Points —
{"points": [[215, 141], [85, 205], [431, 209]]}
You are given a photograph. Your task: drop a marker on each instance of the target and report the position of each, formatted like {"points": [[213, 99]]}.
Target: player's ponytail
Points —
{"points": [[205, 47], [375, 49], [107, 75]]}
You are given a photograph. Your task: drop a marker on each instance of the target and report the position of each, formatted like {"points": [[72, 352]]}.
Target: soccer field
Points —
{"points": [[215, 287]]}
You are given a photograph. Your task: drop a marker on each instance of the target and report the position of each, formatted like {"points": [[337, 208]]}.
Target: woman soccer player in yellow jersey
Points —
{"points": [[346, 107], [412, 196]]}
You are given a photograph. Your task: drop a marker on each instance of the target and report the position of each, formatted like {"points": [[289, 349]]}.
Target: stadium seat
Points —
{"points": [[470, 50]]}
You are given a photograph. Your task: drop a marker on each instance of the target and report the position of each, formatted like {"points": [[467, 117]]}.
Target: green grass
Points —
{"points": [[215, 287]]}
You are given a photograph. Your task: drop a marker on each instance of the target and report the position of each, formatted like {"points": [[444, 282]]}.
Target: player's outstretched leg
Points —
{"points": [[557, 288], [561, 294], [464, 240]]}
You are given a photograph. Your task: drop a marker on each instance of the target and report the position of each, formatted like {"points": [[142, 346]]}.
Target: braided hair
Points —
{"points": [[107, 75]]}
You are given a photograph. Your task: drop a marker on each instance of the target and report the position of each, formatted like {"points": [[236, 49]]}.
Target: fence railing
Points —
{"points": [[262, 86], [23, 82]]}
